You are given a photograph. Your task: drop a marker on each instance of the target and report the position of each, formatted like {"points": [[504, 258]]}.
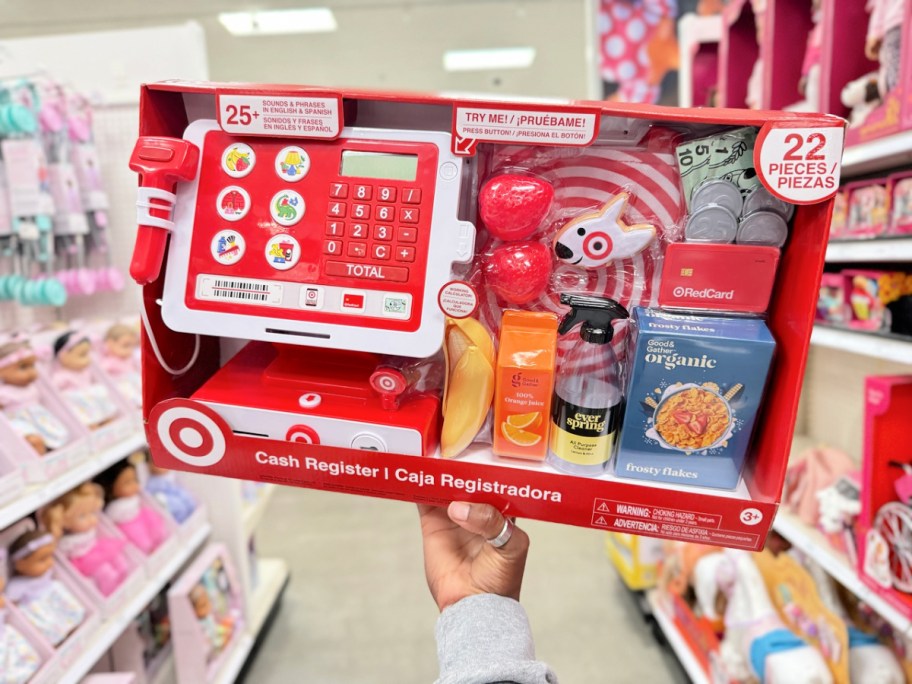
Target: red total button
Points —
{"points": [[395, 274]]}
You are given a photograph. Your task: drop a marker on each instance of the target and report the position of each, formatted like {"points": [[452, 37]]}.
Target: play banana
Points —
{"points": [[469, 388]]}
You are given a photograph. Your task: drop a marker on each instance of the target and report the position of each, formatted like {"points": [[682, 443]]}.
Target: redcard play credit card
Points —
{"points": [[736, 278]]}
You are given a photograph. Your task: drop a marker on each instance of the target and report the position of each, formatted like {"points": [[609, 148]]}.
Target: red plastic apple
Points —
{"points": [[512, 206], [518, 272]]}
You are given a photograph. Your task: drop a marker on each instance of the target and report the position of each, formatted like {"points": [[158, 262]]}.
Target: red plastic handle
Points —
{"points": [[160, 162]]}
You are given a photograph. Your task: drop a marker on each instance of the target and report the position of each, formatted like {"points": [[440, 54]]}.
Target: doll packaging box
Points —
{"points": [[886, 490], [327, 351], [36, 427], [89, 395], [207, 615], [11, 480], [138, 516], [90, 548], [44, 595]]}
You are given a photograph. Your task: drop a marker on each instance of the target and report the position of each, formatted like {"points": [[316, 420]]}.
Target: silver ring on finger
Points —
{"points": [[501, 539]]}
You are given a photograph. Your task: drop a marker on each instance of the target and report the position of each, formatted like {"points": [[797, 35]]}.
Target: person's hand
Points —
{"points": [[459, 561], [872, 49]]}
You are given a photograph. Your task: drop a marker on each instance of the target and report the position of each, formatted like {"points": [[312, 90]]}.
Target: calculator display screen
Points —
{"points": [[379, 165]]}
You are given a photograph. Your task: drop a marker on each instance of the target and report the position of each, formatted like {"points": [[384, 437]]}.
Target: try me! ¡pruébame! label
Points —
{"points": [[518, 125]]}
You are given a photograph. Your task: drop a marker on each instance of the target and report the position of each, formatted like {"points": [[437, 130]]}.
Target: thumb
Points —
{"points": [[481, 519]]}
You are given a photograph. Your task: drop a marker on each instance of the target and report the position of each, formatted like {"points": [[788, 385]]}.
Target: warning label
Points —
{"points": [[800, 165], [671, 515], [303, 117], [574, 127], [667, 522], [699, 535]]}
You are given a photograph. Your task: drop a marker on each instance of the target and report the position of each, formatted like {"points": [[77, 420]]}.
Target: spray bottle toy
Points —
{"points": [[587, 406]]}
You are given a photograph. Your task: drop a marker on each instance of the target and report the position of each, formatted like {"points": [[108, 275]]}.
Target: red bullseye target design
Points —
{"points": [[597, 245], [302, 433], [388, 381], [191, 436], [187, 435]]}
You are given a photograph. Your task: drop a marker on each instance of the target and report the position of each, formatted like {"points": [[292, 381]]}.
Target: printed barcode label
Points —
{"points": [[240, 294], [245, 290]]}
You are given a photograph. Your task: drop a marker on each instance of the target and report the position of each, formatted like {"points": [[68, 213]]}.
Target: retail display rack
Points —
{"points": [[886, 351]]}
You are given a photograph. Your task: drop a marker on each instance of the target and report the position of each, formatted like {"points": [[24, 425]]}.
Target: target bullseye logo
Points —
{"points": [[191, 436], [302, 433], [596, 245], [388, 382]]}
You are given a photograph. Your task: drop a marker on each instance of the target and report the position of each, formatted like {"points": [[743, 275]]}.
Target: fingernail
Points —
{"points": [[460, 511]]}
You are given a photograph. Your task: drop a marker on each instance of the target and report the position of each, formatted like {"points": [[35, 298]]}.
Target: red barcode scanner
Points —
{"points": [[160, 162]]}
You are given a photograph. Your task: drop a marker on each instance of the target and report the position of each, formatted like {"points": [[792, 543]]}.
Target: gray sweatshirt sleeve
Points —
{"points": [[486, 639]]}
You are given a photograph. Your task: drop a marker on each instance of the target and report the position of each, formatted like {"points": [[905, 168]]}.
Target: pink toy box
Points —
{"points": [[113, 604], [885, 523], [156, 560], [788, 26], [133, 653], [850, 77], [51, 668], [738, 52], [868, 209], [831, 305], [840, 218], [66, 652], [113, 678], [207, 612], [51, 465], [867, 294], [117, 428], [194, 522], [11, 480], [899, 191]]}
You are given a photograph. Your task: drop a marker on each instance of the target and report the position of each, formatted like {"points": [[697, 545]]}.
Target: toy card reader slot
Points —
{"points": [[326, 372]]}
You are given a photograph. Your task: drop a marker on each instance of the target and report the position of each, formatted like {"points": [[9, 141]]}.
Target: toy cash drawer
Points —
{"points": [[315, 242]]}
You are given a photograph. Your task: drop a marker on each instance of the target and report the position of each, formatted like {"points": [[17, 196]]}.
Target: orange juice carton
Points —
{"points": [[524, 384]]}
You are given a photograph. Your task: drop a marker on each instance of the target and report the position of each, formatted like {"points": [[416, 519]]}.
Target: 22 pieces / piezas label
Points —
{"points": [[800, 165]]}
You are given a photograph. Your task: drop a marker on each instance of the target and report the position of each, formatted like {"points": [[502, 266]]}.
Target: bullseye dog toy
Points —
{"points": [[595, 239]]}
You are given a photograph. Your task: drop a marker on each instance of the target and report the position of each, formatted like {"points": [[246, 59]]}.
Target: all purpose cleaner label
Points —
{"points": [[582, 435]]}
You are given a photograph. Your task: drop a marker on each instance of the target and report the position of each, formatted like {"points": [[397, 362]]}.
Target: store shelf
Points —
{"points": [[235, 662], [272, 574], [112, 628], [253, 512], [813, 544], [878, 155], [686, 657], [873, 250], [167, 671], [875, 345], [36, 495]]}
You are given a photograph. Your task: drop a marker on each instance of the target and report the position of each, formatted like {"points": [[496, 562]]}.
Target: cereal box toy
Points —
{"points": [[695, 386]]}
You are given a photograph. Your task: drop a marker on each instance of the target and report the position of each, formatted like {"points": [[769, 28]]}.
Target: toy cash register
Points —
{"points": [[343, 243]]}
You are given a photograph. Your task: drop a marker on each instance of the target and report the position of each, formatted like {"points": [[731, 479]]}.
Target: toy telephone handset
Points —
{"points": [[340, 243]]}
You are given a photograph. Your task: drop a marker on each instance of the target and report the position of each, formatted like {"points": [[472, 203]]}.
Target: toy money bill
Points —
{"points": [[727, 156]]}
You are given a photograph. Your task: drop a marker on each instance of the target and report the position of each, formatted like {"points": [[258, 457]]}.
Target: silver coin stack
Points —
{"points": [[720, 216]]}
